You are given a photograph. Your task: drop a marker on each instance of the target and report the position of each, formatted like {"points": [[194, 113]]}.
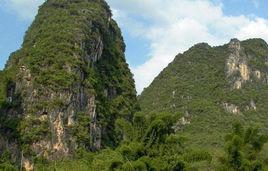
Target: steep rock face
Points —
{"points": [[68, 83], [238, 70], [211, 87]]}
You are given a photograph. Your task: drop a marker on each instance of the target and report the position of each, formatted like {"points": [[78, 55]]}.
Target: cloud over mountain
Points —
{"points": [[171, 26]]}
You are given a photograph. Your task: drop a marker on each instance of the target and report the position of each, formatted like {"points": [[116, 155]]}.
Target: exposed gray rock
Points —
{"points": [[231, 108], [237, 67]]}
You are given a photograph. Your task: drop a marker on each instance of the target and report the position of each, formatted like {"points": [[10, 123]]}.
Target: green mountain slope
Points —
{"points": [[64, 89], [211, 87]]}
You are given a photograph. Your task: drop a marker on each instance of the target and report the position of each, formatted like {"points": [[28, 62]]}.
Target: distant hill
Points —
{"points": [[211, 87]]}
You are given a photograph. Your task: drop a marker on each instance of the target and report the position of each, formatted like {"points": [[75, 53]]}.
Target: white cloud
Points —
{"points": [[24, 9], [172, 26], [257, 28]]}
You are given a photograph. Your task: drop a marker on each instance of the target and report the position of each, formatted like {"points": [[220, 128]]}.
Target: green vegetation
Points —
{"points": [[196, 85], [80, 130], [149, 143], [70, 84], [145, 146], [243, 149], [71, 66], [5, 163]]}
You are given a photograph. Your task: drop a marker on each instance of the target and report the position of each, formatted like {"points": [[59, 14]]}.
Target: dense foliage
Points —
{"points": [[73, 49], [243, 149], [196, 84], [149, 144]]}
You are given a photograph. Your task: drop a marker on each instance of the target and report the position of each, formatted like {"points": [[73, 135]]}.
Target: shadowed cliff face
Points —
{"points": [[69, 82], [211, 87]]}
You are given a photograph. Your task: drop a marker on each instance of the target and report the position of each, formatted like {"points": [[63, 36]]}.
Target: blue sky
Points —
{"points": [[11, 34], [154, 30]]}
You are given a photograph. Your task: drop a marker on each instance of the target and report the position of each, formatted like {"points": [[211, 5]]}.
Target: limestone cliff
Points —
{"points": [[238, 69], [65, 87]]}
